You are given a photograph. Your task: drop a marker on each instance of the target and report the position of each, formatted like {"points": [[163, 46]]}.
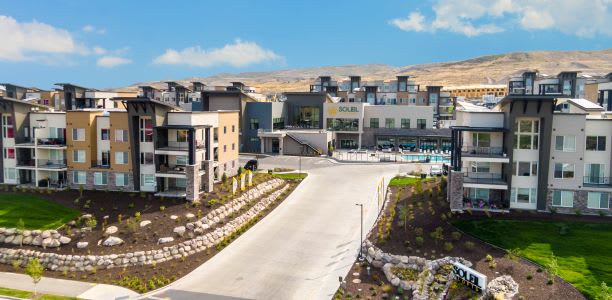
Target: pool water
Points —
{"points": [[421, 157]]}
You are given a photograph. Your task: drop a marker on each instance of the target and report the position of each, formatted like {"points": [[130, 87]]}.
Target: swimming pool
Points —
{"points": [[422, 157]]}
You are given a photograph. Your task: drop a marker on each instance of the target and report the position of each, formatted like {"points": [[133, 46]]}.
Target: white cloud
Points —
{"points": [[92, 29], [34, 41], [110, 61], [584, 18], [99, 50], [238, 54]]}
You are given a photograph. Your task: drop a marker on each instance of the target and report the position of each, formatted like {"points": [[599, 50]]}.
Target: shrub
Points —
{"points": [[131, 205], [492, 264], [578, 212], [387, 288], [552, 210], [419, 241], [604, 292], [448, 246], [437, 234], [513, 254], [212, 202], [224, 178], [162, 208], [456, 235], [418, 231], [469, 245], [91, 222], [137, 216], [603, 214], [16, 265], [488, 258], [120, 218], [552, 268]]}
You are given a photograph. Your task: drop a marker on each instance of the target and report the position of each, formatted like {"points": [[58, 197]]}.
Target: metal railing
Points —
{"points": [[592, 180], [172, 145], [104, 163], [471, 150], [484, 178]]}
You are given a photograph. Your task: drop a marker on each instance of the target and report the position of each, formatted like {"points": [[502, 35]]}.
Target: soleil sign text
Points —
{"points": [[468, 276], [347, 109]]}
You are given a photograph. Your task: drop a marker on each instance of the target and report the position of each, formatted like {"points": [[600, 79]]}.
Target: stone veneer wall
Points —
{"points": [[580, 203], [89, 181], [72, 263], [455, 190]]}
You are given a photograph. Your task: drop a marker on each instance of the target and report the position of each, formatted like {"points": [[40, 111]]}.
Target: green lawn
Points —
{"points": [[399, 181], [36, 213], [29, 295], [583, 252], [290, 175]]}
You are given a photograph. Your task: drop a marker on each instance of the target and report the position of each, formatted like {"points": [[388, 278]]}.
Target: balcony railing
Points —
{"points": [[550, 89], [171, 169], [484, 178], [484, 151], [105, 163], [43, 163], [591, 180]]}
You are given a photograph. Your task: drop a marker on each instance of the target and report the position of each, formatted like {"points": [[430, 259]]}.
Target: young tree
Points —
{"points": [[21, 227], [35, 270]]}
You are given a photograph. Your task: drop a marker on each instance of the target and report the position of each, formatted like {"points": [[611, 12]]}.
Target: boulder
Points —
{"points": [[37, 240], [503, 287], [165, 240], [17, 240], [86, 216], [82, 245], [64, 240], [50, 243], [9, 239], [26, 233], [145, 223], [111, 230], [179, 230], [173, 217], [10, 231], [27, 240], [112, 241]]}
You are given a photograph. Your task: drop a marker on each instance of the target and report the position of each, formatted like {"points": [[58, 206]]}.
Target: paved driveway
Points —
{"points": [[299, 250]]}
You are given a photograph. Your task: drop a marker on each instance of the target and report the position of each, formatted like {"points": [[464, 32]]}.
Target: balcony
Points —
{"points": [[516, 87], [42, 163], [550, 89], [592, 181], [478, 180], [482, 151], [42, 143], [101, 164]]}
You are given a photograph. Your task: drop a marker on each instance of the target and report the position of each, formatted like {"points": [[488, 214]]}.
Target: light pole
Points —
{"points": [[300, 165], [361, 258]]}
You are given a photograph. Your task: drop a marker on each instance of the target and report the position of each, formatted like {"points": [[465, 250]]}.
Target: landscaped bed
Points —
{"points": [[34, 211], [30, 295], [582, 249], [416, 222], [126, 212]]}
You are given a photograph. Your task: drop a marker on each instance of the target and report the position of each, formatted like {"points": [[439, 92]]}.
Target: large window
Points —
{"points": [[181, 160], [343, 124], [481, 139], [7, 126], [104, 134], [100, 178], [121, 158], [78, 156], [278, 123], [121, 135], [421, 123], [9, 153], [147, 180], [523, 195], [526, 134], [480, 167], [146, 158], [594, 173], [374, 122], [78, 134], [181, 136], [307, 117], [598, 200], [479, 194], [79, 177], [565, 143], [596, 143], [564, 170], [405, 123], [146, 130], [525, 168], [10, 173], [121, 179], [389, 123], [563, 198], [254, 123]]}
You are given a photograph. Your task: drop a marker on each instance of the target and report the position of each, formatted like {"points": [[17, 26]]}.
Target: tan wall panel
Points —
{"points": [[119, 120]]}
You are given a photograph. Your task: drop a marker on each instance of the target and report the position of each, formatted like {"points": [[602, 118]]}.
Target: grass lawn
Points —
{"points": [[29, 295], [399, 181], [36, 213], [582, 249], [290, 175]]}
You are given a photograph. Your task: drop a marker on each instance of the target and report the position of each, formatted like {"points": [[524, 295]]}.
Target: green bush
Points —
{"points": [[418, 231], [488, 258], [448, 246], [456, 235], [419, 241], [468, 245]]}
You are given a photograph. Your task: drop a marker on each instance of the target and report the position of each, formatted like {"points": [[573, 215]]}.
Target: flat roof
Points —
{"points": [[25, 102], [143, 100], [183, 126]]}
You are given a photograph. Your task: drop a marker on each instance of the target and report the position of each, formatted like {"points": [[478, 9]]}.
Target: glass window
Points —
{"points": [[121, 158], [181, 182], [563, 198], [405, 123], [121, 135], [343, 124], [78, 134], [523, 195], [389, 123], [598, 200], [181, 159], [146, 130], [373, 122], [104, 134], [564, 170], [481, 139], [526, 134], [181, 136], [277, 123], [524, 168], [146, 158], [594, 173], [10, 173], [79, 177], [78, 156], [481, 167], [147, 180], [9, 152], [100, 178], [121, 179], [596, 143], [421, 123], [565, 143]]}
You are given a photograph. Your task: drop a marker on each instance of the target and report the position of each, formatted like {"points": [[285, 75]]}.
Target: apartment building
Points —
{"points": [[77, 97], [477, 91], [600, 91], [43, 97], [536, 150]]}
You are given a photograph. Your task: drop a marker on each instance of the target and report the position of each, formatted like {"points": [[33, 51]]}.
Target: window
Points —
{"points": [[181, 182], [7, 126], [146, 130], [421, 123], [181, 136], [121, 135], [481, 139], [233, 146], [233, 128], [78, 156], [78, 134], [526, 134], [79, 177], [525, 168], [146, 158], [181, 160], [596, 143], [104, 134], [121, 179], [563, 198], [373, 122], [224, 129], [224, 148], [121, 158], [598, 200], [480, 167], [54, 132], [10, 174], [564, 171], [342, 124], [215, 135], [389, 123], [594, 173], [405, 123], [9, 152], [565, 143], [278, 123], [523, 195], [100, 178], [147, 180]]}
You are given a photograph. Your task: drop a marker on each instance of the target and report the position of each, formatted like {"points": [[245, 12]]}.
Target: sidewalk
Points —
{"points": [[53, 286]]}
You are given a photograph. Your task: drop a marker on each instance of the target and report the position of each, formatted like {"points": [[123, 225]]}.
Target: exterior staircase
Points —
{"points": [[307, 149]]}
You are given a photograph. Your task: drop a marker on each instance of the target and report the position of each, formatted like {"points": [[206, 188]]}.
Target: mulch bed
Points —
{"points": [[112, 204], [430, 212]]}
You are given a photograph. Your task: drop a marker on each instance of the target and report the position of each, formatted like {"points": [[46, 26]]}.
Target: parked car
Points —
{"points": [[251, 165], [436, 170]]}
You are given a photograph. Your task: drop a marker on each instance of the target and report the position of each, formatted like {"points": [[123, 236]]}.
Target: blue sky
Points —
{"points": [[115, 43]]}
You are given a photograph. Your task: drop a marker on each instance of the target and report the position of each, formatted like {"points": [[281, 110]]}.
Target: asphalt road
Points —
{"points": [[301, 248]]}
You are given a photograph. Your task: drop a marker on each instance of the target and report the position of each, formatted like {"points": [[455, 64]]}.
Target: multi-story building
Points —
{"points": [[600, 91], [537, 150], [477, 91], [48, 98], [76, 97]]}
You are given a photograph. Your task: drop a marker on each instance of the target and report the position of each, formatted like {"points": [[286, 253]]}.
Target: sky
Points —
{"points": [[115, 43]]}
